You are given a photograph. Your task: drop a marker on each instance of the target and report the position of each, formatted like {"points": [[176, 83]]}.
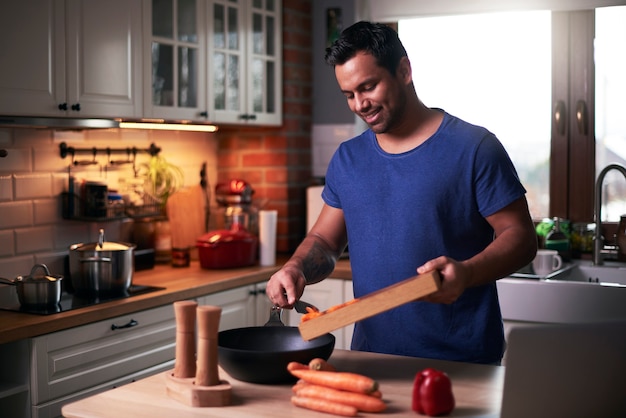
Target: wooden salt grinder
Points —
{"points": [[185, 362], [208, 324]]}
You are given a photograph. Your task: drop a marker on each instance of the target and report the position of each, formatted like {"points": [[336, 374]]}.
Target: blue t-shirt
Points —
{"points": [[402, 210]]}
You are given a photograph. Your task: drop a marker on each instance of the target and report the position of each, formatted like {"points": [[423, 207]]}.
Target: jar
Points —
{"points": [[582, 238], [163, 243], [181, 257], [620, 239], [95, 199], [115, 205]]}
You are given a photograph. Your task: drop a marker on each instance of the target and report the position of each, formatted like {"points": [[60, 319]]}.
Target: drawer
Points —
{"points": [[73, 360]]}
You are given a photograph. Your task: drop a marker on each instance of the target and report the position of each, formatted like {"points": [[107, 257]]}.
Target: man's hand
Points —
{"points": [[286, 286], [455, 278]]}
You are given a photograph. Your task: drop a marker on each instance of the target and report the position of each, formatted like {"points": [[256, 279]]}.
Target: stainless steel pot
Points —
{"points": [[37, 290], [101, 267]]}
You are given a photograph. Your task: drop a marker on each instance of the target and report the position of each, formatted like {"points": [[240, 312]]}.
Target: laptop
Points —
{"points": [[566, 371]]}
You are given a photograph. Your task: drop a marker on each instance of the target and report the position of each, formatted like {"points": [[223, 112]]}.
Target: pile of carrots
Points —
{"points": [[312, 313], [322, 388]]}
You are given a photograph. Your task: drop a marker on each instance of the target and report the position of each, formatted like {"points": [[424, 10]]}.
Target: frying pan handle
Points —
{"points": [[275, 317], [95, 260]]}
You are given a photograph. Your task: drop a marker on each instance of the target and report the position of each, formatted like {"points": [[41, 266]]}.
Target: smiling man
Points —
{"points": [[419, 190]]}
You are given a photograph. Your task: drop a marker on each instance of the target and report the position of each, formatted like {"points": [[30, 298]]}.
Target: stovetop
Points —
{"points": [[69, 301]]}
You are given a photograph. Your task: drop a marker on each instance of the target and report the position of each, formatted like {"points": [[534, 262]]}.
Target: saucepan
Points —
{"points": [[37, 290], [261, 354]]}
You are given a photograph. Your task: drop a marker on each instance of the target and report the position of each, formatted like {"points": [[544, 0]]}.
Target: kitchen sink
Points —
{"points": [[611, 273], [577, 293]]}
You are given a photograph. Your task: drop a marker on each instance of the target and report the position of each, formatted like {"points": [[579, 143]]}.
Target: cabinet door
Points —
{"points": [[32, 53], [264, 49], [174, 57], [238, 306], [67, 362], [245, 66], [104, 58]]}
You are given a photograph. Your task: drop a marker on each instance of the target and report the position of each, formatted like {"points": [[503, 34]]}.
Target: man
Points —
{"points": [[420, 190]]}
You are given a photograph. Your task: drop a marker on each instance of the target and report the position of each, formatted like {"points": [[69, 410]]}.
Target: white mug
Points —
{"points": [[546, 261]]}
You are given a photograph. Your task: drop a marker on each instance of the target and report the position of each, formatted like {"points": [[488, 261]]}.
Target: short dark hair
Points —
{"points": [[377, 39]]}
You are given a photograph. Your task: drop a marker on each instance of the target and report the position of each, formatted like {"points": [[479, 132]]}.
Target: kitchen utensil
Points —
{"points": [[101, 267], [37, 290], [374, 303], [261, 354], [227, 248]]}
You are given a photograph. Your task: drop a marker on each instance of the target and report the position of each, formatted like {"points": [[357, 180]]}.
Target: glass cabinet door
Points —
{"points": [[227, 58], [263, 52], [176, 59]]}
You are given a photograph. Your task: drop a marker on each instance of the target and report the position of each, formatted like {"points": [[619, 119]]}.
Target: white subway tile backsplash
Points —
{"points": [[32, 186], [67, 233], [18, 160], [16, 266], [30, 240], [6, 188], [16, 214], [47, 211], [7, 243]]}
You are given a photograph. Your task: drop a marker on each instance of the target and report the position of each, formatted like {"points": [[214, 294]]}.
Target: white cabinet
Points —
{"points": [[75, 58], [14, 379], [74, 363], [244, 61], [214, 60], [174, 52], [245, 306], [327, 293]]}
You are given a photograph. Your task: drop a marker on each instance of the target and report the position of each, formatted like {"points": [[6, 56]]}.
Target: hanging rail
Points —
{"points": [[66, 150]]}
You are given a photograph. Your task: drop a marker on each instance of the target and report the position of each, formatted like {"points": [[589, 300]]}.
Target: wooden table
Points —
{"points": [[477, 389]]}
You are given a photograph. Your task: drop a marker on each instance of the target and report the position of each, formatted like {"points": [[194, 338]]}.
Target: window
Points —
{"points": [[501, 71]]}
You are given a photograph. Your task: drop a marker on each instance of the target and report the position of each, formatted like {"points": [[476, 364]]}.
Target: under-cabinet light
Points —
{"points": [[169, 126]]}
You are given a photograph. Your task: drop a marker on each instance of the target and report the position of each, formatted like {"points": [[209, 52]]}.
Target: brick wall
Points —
{"points": [[277, 161]]}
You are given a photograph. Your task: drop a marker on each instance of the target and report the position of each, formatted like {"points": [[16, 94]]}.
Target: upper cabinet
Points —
{"points": [[216, 60], [75, 58], [175, 59], [245, 66]]}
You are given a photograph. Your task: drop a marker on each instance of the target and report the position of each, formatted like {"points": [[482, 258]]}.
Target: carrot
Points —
{"points": [[321, 364], [294, 365], [322, 405], [299, 385], [352, 382], [376, 394], [361, 401]]}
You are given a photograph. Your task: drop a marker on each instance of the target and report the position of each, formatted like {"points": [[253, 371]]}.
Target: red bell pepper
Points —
{"points": [[432, 393]]}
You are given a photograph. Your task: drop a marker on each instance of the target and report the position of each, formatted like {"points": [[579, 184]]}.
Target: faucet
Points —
{"points": [[598, 245]]}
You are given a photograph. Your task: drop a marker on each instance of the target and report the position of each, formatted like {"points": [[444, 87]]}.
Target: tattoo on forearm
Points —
{"points": [[318, 263]]}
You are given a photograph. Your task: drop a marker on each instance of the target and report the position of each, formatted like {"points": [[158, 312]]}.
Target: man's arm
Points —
{"points": [[514, 246], [313, 260]]}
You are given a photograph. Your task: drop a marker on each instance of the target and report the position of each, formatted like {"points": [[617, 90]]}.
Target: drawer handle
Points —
{"points": [[130, 324]]}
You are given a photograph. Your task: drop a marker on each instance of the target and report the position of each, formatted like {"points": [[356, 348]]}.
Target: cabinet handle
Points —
{"points": [[130, 324], [204, 114], [581, 117], [63, 106], [559, 117], [76, 107], [247, 117]]}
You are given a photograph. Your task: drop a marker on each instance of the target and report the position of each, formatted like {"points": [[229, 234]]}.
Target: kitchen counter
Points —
{"points": [[477, 390], [178, 283]]}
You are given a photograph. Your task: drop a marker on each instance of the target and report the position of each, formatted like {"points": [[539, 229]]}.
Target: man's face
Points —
{"points": [[374, 94]]}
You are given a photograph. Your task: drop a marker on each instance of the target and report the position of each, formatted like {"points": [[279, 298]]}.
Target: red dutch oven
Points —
{"points": [[227, 248]]}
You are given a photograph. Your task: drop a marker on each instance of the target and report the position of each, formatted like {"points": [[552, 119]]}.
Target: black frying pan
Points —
{"points": [[261, 354]]}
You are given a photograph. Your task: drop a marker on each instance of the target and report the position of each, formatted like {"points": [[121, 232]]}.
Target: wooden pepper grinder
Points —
{"points": [[195, 380], [185, 362], [208, 324]]}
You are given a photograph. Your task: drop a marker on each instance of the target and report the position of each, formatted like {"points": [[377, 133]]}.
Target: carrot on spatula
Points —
{"points": [[352, 382], [360, 401], [322, 405]]}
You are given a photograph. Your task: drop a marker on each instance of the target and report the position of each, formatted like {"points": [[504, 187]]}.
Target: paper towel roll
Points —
{"points": [[267, 237]]}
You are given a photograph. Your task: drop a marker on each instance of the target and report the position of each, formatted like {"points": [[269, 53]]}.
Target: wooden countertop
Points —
{"points": [[477, 390], [179, 283]]}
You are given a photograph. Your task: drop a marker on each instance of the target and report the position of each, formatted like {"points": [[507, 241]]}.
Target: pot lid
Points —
{"points": [[237, 233], [39, 276], [102, 245]]}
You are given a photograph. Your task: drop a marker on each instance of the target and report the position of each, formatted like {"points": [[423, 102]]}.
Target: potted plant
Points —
{"points": [[162, 178]]}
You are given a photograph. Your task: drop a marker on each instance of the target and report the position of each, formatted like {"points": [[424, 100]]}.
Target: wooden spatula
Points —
{"points": [[382, 300]]}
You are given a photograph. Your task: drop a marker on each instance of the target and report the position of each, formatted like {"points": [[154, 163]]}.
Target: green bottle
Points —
{"points": [[557, 240]]}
